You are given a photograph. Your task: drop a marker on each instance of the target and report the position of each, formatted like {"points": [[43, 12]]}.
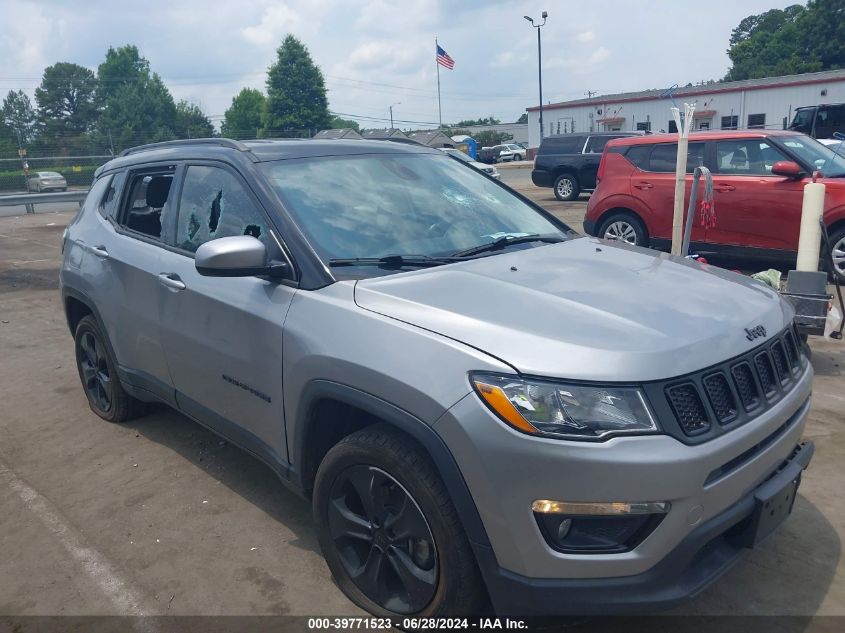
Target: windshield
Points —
{"points": [[803, 120], [375, 205], [821, 157]]}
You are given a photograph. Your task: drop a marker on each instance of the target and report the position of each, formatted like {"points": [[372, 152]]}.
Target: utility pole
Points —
{"points": [[590, 93], [544, 15], [391, 112]]}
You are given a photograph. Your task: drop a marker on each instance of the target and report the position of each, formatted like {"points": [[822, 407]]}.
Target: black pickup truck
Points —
{"points": [[568, 162]]}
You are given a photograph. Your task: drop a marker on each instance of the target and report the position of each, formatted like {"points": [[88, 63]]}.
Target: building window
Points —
{"points": [[756, 121], [673, 128], [730, 122], [644, 126]]}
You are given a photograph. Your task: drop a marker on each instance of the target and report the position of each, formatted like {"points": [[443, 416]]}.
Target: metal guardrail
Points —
{"points": [[29, 200]]}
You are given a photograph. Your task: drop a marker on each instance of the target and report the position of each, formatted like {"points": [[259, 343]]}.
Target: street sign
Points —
{"points": [[21, 152]]}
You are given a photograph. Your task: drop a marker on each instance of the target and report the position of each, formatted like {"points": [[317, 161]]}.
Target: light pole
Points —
{"points": [[391, 112], [544, 15]]}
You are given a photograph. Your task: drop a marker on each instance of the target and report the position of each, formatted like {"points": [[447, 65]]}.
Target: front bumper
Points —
{"points": [[700, 559], [506, 471]]}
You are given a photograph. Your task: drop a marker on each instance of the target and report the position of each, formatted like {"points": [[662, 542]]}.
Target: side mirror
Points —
{"points": [[787, 168], [237, 256]]}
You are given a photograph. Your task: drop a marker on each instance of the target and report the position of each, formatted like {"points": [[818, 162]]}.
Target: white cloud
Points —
{"points": [[580, 65], [276, 21], [509, 59], [377, 52]]}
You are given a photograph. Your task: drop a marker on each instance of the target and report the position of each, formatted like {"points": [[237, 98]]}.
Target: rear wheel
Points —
{"points": [[98, 373], [624, 227], [389, 531], [566, 187]]}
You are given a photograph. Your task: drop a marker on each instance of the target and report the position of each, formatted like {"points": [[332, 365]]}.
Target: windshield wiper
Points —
{"points": [[393, 261], [507, 240]]}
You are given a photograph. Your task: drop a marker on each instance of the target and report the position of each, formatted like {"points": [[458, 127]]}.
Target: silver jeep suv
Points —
{"points": [[483, 406]]}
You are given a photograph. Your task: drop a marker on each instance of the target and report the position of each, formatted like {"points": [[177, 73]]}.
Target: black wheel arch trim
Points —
{"points": [[433, 444]]}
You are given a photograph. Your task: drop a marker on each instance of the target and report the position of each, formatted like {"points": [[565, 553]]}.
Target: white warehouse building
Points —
{"points": [[754, 103]]}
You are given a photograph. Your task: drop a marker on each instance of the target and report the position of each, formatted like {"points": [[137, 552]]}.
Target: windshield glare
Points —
{"points": [[820, 156], [375, 205]]}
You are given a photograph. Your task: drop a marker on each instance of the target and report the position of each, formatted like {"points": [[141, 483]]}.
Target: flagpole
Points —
{"points": [[437, 65]]}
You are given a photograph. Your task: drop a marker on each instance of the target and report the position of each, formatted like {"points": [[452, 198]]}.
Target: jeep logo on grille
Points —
{"points": [[755, 332]]}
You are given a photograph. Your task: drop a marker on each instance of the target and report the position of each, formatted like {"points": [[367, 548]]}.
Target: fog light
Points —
{"points": [[597, 528], [563, 529]]}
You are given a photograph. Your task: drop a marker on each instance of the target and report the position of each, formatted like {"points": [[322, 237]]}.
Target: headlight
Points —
{"points": [[553, 409]]}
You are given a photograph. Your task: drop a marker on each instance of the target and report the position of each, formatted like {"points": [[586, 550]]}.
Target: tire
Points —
{"points": [[98, 374], [837, 241], [566, 187], [519, 157], [445, 576], [624, 227]]}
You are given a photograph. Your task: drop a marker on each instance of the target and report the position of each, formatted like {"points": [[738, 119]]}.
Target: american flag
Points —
{"points": [[443, 58]]}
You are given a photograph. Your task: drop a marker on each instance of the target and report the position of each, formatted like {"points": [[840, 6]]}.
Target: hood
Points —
{"points": [[585, 309]]}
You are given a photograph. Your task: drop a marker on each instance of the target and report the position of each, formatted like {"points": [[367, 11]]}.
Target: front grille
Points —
{"points": [[688, 408], [791, 350], [781, 363], [745, 386], [766, 372], [721, 397]]}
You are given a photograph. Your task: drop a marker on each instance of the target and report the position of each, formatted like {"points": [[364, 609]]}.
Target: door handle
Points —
{"points": [[644, 185], [171, 280], [724, 188], [100, 251]]}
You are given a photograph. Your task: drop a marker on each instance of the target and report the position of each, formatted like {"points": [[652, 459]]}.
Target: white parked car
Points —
{"points": [[47, 181], [510, 152], [487, 169]]}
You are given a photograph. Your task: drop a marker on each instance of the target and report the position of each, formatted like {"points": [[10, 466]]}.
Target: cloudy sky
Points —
{"points": [[378, 52]]}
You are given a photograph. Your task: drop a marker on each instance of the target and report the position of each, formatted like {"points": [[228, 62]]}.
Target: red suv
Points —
{"points": [[758, 181]]}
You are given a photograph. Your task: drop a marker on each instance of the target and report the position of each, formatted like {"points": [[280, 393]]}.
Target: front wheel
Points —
{"points": [[623, 227], [389, 531]]}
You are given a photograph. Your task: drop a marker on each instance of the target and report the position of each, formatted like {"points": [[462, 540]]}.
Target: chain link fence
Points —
{"points": [[78, 157]]}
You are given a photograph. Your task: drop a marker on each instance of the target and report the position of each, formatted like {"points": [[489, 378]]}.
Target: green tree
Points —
{"points": [[19, 116], [483, 121], [243, 118], [65, 101], [794, 40], [488, 138], [296, 93], [191, 121], [8, 141], [523, 118], [338, 123], [122, 67], [136, 106]]}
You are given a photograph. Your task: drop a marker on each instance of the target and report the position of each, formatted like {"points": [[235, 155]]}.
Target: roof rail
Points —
{"points": [[222, 142]]}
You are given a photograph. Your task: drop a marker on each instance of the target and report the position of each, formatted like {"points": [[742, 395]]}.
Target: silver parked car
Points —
{"points": [[490, 170], [47, 181], [481, 405]]}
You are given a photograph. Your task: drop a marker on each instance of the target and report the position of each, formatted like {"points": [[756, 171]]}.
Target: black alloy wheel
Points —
{"points": [[383, 539], [94, 369]]}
